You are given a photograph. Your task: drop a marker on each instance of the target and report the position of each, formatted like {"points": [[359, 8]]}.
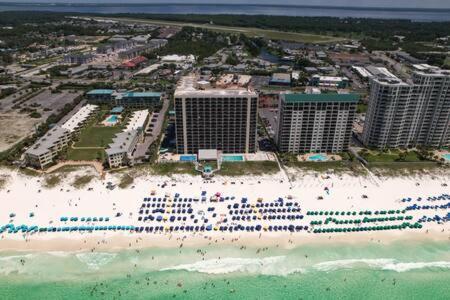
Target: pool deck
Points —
{"points": [[258, 156], [330, 157], [109, 123], [445, 154]]}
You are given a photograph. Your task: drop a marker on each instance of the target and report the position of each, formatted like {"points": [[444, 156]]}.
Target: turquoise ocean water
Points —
{"points": [[373, 271]]}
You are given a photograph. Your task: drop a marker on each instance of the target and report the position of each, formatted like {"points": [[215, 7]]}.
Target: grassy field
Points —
{"points": [[249, 31], [248, 168], [86, 154], [97, 136], [94, 139], [390, 156]]}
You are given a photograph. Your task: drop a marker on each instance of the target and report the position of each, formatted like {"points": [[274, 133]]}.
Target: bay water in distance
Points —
{"points": [[251, 9]]}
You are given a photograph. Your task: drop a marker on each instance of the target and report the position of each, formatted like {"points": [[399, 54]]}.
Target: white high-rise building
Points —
{"points": [[416, 113], [315, 122]]}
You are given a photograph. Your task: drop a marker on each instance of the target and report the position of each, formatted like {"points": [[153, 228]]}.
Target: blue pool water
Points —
{"points": [[188, 158], [112, 119], [232, 158], [318, 157], [446, 156]]}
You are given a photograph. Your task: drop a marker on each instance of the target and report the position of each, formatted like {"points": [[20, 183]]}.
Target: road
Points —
{"points": [[142, 148]]}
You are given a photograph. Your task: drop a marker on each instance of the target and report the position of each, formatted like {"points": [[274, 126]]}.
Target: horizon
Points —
{"points": [[407, 4]]}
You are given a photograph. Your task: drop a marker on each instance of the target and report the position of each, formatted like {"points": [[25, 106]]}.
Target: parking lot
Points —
{"points": [[15, 122]]}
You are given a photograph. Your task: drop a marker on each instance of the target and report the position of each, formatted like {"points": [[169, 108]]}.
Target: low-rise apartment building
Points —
{"points": [[121, 151], [46, 148], [133, 100]]}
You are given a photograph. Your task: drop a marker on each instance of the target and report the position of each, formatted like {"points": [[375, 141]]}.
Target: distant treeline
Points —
{"points": [[377, 28]]}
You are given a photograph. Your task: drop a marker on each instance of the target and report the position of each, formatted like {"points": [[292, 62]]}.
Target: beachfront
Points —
{"points": [[185, 210]]}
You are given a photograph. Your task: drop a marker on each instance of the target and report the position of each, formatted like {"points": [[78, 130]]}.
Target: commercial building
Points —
{"points": [[315, 122], [283, 79], [329, 81], [210, 118], [42, 152], [78, 59], [407, 58], [121, 150], [409, 114]]}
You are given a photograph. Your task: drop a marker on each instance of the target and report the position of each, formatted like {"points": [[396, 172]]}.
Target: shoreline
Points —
{"points": [[141, 241]]}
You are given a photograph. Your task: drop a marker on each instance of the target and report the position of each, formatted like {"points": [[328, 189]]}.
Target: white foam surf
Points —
{"points": [[274, 265], [95, 260], [334, 265], [382, 264], [403, 267]]}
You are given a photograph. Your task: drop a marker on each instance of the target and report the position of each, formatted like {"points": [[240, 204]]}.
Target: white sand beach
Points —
{"points": [[24, 195]]}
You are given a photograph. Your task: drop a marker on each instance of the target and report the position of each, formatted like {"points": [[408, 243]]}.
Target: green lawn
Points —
{"points": [[97, 136], [362, 108], [86, 154], [390, 156]]}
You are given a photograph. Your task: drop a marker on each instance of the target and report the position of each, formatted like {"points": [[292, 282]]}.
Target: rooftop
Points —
{"points": [[141, 94], [122, 142], [281, 77], [334, 97], [137, 120], [188, 87], [43, 145], [101, 92], [330, 78], [79, 117], [430, 70], [117, 110]]}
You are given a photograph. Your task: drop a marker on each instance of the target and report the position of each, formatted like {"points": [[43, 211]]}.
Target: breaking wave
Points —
{"points": [[95, 260], [267, 266], [279, 266], [382, 264]]}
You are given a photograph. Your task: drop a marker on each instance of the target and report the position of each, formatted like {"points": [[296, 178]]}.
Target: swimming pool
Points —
{"points": [[318, 157], [232, 158], [111, 120], [446, 156], [188, 158]]}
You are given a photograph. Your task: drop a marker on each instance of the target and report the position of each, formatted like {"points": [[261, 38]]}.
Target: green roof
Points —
{"points": [[294, 98]]}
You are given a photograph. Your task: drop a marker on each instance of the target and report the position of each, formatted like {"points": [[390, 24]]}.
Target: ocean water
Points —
{"points": [[373, 271], [250, 9]]}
